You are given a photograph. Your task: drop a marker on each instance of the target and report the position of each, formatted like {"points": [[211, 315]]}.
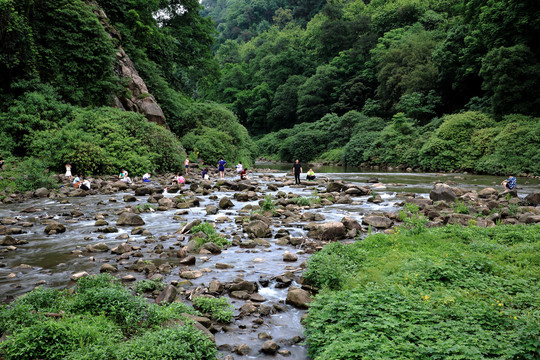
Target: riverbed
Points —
{"points": [[50, 261]]}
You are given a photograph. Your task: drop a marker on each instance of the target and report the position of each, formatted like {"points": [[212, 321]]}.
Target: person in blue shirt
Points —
{"points": [[221, 167], [509, 184]]}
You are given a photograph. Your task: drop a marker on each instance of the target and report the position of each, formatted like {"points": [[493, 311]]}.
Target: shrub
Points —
{"points": [[149, 285], [218, 308], [211, 235], [52, 339], [332, 266], [268, 203]]}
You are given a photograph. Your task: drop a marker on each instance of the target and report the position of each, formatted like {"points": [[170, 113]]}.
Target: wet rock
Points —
{"points": [[108, 268], [442, 192], [211, 210], [8, 241], [257, 229], [421, 202], [288, 256], [186, 229], [188, 260], [376, 199], [533, 198], [99, 247], [109, 230], [332, 230], [223, 266], [215, 286], [30, 209], [528, 218], [78, 275], [56, 227], [265, 310], [270, 347], [242, 349], [487, 192], [377, 221], [334, 186], [191, 274], [130, 198], [257, 298], [244, 285], [168, 295], [461, 219], [129, 219], [298, 298], [351, 223], [284, 352], [128, 278], [137, 230], [264, 336], [225, 203], [357, 191], [42, 192], [101, 222], [242, 295]]}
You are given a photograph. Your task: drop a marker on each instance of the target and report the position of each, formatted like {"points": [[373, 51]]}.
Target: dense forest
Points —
{"points": [[433, 85]]}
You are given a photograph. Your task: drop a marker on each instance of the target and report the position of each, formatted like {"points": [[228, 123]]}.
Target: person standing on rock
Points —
{"points": [[68, 172], [186, 165], [297, 170], [221, 167]]}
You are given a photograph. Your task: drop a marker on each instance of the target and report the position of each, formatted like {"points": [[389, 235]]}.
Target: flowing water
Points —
{"points": [[51, 262]]}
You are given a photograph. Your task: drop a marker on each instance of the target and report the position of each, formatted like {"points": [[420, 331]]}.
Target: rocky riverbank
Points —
{"points": [[144, 231]]}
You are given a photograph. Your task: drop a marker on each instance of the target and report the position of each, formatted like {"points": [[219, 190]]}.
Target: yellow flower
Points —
{"points": [[515, 318]]}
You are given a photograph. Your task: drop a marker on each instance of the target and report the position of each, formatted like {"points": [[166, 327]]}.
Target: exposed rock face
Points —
{"points": [[137, 99]]}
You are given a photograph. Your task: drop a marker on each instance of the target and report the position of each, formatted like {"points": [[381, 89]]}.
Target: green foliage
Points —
{"points": [[52, 339], [333, 266], [460, 207], [211, 235], [104, 140], [218, 308], [146, 285], [413, 221], [268, 203], [27, 175], [473, 287], [92, 322], [215, 132]]}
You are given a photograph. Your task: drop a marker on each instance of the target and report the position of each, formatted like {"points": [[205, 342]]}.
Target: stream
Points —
{"points": [[48, 260]]}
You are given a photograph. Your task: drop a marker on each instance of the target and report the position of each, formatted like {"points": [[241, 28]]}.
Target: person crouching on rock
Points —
{"points": [[243, 174], [146, 177], [77, 181], [310, 175], [509, 184], [85, 184]]}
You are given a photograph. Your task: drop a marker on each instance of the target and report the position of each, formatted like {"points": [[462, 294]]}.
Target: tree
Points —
{"points": [[315, 95]]}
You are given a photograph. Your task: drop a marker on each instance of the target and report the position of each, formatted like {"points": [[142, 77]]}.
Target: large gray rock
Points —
{"points": [[108, 268], [487, 192], [168, 295], [298, 298], [99, 247], [533, 198], [442, 192], [245, 285], [257, 229], [225, 203], [377, 221], [41, 192], [129, 219], [269, 347], [334, 186], [56, 227], [331, 230]]}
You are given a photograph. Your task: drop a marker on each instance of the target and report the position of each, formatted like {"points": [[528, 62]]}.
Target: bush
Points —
{"points": [[218, 308], [332, 266], [52, 339], [211, 235], [148, 285], [104, 140], [181, 342]]}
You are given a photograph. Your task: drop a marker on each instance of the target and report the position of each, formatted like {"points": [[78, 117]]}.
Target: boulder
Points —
{"points": [[244, 285], [168, 295], [42, 192], [129, 219], [257, 229], [377, 221], [331, 230], [108, 268], [289, 256], [99, 247], [225, 203], [298, 298], [461, 219], [78, 275], [533, 198], [334, 186], [56, 227], [442, 192], [269, 347], [121, 249], [191, 274], [350, 223], [211, 210], [211, 247], [487, 192]]}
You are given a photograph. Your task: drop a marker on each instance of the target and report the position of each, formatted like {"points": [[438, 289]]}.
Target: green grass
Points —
{"points": [[218, 309], [445, 293]]}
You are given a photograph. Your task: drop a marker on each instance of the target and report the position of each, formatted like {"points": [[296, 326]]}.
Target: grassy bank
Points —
{"points": [[444, 293], [100, 319]]}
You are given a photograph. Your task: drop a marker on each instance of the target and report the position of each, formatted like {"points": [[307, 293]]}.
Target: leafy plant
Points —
{"points": [[460, 207], [146, 285], [211, 235], [268, 203], [218, 308], [413, 221]]}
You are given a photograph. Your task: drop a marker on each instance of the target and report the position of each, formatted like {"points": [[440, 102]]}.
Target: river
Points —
{"points": [[51, 262]]}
